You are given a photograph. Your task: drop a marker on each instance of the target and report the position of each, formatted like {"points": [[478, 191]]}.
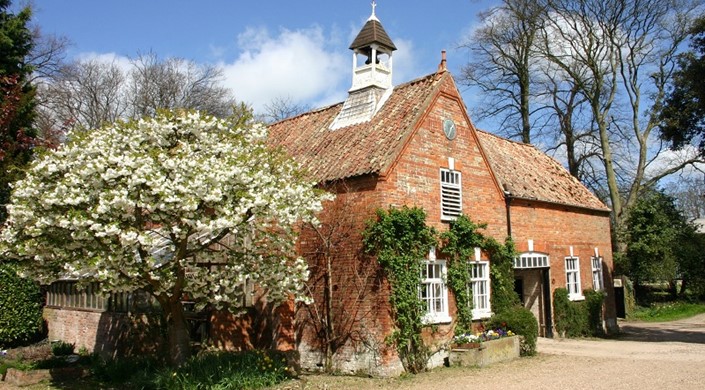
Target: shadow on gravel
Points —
{"points": [[684, 333]]}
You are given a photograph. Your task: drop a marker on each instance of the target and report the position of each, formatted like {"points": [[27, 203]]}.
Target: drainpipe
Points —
{"points": [[508, 205]]}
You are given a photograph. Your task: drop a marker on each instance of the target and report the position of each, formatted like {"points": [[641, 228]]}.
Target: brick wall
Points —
{"points": [[108, 334], [264, 326], [361, 302], [360, 293], [415, 178], [554, 229]]}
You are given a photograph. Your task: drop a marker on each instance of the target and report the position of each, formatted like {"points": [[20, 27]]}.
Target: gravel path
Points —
{"points": [[646, 356]]}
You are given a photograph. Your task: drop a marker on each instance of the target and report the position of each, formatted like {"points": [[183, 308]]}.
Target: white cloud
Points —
{"points": [[306, 66], [120, 61], [669, 158], [297, 65], [405, 65]]}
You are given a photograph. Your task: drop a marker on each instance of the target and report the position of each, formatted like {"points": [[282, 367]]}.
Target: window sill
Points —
{"points": [[482, 315], [576, 297], [437, 319]]}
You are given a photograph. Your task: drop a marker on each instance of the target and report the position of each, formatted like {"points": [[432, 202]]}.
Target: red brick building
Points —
{"points": [[414, 144], [411, 144]]}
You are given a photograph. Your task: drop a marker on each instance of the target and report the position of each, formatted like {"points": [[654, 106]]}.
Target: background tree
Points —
{"points": [[502, 63], [183, 203], [86, 94], [620, 55], [683, 113], [90, 93], [176, 83], [598, 74], [282, 108], [689, 194], [656, 235], [16, 98]]}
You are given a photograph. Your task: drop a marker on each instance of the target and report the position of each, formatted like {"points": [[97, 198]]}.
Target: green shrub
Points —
{"points": [[61, 348], [134, 370], [224, 370], [212, 370], [578, 319], [16, 364], [520, 321], [593, 303], [20, 308], [567, 317]]}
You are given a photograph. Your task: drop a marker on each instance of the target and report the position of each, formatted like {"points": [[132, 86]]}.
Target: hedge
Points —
{"points": [[20, 308], [520, 321]]}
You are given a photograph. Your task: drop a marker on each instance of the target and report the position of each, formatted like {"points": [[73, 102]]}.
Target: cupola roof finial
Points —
{"points": [[374, 15]]}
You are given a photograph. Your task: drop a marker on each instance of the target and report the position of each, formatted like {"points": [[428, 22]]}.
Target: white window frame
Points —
{"points": [[480, 286], [572, 278], [434, 283], [598, 281], [451, 194]]}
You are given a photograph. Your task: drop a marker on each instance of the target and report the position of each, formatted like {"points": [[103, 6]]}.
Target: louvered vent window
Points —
{"points": [[451, 195]]}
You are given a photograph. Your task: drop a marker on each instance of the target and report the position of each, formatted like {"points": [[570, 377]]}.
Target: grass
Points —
{"points": [[213, 370], [18, 364], [667, 311]]}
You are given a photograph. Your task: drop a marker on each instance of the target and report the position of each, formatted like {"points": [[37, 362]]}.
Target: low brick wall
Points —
{"points": [[20, 378], [489, 352], [108, 334]]}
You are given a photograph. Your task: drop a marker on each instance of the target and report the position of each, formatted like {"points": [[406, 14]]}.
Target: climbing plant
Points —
{"points": [[401, 240], [459, 244], [502, 274]]}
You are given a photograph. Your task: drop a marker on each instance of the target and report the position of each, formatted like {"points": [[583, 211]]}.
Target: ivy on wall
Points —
{"points": [[401, 241], [459, 244]]}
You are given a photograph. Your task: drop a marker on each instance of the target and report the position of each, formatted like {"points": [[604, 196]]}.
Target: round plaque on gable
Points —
{"points": [[449, 129]]}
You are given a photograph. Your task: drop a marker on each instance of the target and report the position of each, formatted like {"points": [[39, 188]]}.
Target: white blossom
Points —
{"points": [[136, 205]]}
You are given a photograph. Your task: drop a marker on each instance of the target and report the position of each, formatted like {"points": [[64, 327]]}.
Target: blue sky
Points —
{"points": [[267, 49]]}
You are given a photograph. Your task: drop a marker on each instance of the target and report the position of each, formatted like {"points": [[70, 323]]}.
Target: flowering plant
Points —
{"points": [[182, 203], [466, 338], [483, 335]]}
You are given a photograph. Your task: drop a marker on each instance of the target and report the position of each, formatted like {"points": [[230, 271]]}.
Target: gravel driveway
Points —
{"points": [[646, 356], [667, 355]]}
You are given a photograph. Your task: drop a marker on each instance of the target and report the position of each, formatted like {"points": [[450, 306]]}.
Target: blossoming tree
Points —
{"points": [[179, 204]]}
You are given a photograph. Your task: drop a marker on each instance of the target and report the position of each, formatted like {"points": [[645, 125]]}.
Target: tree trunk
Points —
{"points": [[330, 330], [177, 331], [673, 289], [684, 285]]}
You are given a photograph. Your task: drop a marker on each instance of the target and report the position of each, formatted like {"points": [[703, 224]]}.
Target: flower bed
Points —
{"points": [[477, 338], [484, 348]]}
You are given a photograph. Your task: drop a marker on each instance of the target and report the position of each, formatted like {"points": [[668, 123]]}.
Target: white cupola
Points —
{"points": [[371, 74]]}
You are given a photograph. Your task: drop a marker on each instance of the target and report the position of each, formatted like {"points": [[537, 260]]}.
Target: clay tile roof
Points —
{"points": [[364, 148], [529, 173], [371, 147], [372, 32]]}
